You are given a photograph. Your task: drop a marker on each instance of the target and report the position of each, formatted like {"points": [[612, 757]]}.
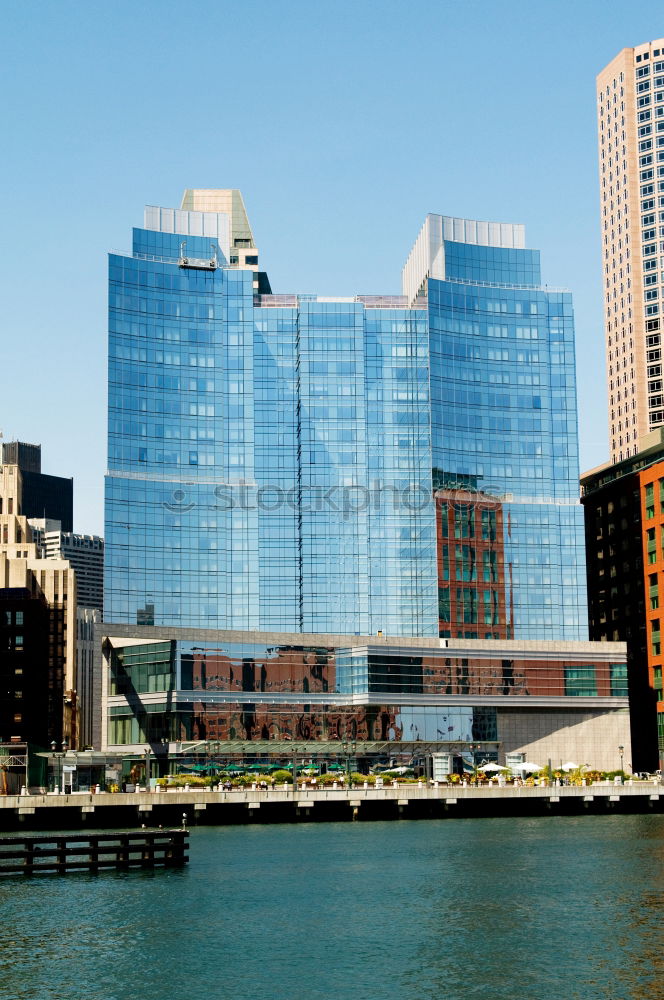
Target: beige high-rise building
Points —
{"points": [[30, 670], [630, 113]]}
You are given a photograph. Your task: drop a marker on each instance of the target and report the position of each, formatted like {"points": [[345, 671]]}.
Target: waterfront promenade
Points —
{"points": [[284, 804]]}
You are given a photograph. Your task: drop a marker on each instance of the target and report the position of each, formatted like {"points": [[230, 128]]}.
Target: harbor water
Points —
{"points": [[541, 908]]}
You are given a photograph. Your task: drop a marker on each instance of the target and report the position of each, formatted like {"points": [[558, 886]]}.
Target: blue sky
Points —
{"points": [[342, 123]]}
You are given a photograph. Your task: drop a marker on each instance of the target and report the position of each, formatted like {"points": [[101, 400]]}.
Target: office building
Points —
{"points": [[273, 693], [84, 552], [26, 711], [273, 458], [346, 518], [51, 597], [624, 519], [38, 631], [41, 495], [630, 111], [504, 433]]}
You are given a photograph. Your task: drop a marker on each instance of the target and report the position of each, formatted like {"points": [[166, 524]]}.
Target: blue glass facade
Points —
{"points": [[269, 466], [504, 445], [272, 459]]}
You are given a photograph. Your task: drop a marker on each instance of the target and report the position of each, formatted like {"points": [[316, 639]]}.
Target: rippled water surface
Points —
{"points": [[547, 909]]}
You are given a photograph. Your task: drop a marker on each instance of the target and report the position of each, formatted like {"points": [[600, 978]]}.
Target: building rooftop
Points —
{"points": [[652, 451], [427, 257]]}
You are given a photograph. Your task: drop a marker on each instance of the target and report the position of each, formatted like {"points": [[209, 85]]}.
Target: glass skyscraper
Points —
{"points": [[404, 465], [504, 434]]}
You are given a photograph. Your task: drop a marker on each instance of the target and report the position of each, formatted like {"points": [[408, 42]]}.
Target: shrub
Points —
{"points": [[180, 780], [281, 776], [244, 780], [327, 779]]}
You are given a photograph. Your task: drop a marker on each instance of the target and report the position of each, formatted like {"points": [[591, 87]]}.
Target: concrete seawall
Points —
{"points": [[202, 806]]}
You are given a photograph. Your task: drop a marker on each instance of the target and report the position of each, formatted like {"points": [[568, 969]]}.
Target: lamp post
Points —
{"points": [[164, 757], [59, 755], [621, 751], [148, 768], [475, 749], [349, 747]]}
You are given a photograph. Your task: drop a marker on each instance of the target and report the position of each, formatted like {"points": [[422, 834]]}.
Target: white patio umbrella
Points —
{"points": [[569, 766], [527, 766], [490, 767]]}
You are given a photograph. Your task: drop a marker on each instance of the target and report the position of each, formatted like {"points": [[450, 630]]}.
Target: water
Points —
{"points": [[550, 909]]}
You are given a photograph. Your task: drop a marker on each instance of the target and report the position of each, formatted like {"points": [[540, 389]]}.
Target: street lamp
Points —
{"points": [[349, 747], [59, 754], [164, 757], [475, 750], [148, 769], [621, 751]]}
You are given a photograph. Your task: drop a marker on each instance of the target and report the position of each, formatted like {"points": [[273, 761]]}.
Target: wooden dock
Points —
{"points": [[65, 853]]}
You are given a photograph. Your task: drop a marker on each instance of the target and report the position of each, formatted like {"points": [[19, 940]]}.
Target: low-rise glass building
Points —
{"points": [[245, 695]]}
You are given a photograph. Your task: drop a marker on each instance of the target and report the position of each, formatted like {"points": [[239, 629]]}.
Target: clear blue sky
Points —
{"points": [[343, 123]]}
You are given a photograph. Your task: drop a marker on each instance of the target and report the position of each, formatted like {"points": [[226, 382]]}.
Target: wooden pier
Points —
{"points": [[64, 853]]}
